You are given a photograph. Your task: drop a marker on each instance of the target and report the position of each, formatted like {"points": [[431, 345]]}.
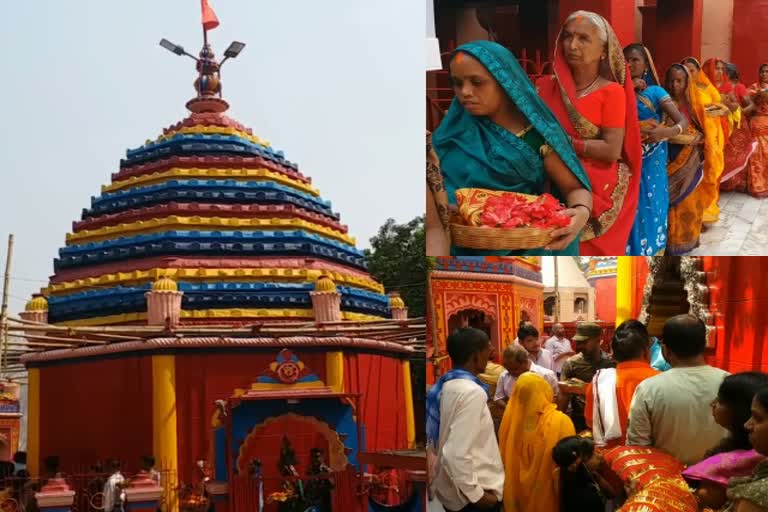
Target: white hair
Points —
{"points": [[597, 20]]}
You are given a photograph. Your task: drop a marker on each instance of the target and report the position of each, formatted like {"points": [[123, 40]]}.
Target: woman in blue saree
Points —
{"points": [[649, 232], [499, 135]]}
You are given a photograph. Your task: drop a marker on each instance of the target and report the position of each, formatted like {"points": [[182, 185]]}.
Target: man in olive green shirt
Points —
{"points": [[583, 366]]}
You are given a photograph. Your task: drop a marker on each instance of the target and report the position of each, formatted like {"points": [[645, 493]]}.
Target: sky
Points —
{"points": [[337, 85]]}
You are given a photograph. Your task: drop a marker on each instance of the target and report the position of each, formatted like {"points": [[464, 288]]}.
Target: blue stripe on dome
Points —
{"points": [[218, 287], [208, 184], [217, 236], [127, 300], [215, 196], [168, 248]]}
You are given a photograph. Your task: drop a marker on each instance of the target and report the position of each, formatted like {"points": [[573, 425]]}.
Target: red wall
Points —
{"points": [[749, 47], [678, 31], [96, 410], [605, 298], [619, 13], [739, 298], [203, 378], [380, 380]]}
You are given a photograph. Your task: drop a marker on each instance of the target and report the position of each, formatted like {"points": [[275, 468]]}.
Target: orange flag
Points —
{"points": [[210, 21]]}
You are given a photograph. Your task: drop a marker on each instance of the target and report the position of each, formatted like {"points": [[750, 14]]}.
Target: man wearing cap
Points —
{"points": [[583, 366]]}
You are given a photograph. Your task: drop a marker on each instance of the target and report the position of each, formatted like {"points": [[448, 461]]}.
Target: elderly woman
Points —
{"points": [[592, 96], [499, 135]]}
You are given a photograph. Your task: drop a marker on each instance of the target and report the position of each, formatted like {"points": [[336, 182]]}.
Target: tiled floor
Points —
{"points": [[742, 229]]}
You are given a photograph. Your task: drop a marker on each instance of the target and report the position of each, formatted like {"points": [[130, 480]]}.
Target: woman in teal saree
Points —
{"points": [[499, 135]]}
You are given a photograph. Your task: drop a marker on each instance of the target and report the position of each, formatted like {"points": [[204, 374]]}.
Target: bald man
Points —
{"points": [[560, 347], [516, 363]]}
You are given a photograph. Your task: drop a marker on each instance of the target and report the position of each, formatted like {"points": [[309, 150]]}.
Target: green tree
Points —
{"points": [[397, 260]]}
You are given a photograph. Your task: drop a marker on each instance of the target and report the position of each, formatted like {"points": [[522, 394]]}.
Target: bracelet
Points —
{"points": [[679, 127], [589, 210]]}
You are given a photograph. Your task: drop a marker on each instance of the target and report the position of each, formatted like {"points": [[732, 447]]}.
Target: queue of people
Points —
{"points": [[546, 453], [637, 158]]}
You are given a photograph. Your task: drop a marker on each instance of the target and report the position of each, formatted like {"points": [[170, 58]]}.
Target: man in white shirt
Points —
{"points": [[560, 347], [468, 472], [671, 411], [114, 493], [516, 362], [529, 339]]}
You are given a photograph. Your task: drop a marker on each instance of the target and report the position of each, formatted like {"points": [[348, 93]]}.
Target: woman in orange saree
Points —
{"points": [[529, 431], [708, 97], [739, 143], [757, 174], [685, 167], [592, 96]]}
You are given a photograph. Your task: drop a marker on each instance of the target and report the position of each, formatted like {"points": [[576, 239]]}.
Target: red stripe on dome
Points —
{"points": [[208, 119], [203, 263], [207, 210], [219, 162]]}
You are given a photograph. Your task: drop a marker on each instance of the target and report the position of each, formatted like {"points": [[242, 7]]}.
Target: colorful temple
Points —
{"points": [[492, 293], [210, 306]]}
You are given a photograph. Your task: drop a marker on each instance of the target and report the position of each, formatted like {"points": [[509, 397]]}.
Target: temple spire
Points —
{"points": [[208, 82]]}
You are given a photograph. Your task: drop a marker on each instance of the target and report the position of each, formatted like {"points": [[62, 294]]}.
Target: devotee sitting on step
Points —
{"points": [[531, 428], [733, 456], [560, 347], [609, 394], [463, 455], [517, 362], [671, 411], [750, 494], [582, 367], [529, 339], [582, 488]]}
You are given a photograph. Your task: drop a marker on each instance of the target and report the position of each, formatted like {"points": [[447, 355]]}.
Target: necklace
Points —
{"points": [[586, 90]]}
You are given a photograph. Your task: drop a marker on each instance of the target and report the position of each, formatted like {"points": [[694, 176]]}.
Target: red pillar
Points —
{"points": [[749, 47], [678, 31]]}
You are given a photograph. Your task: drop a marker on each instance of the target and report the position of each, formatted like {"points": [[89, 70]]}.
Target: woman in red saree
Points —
{"points": [[739, 143], [757, 174], [592, 95]]}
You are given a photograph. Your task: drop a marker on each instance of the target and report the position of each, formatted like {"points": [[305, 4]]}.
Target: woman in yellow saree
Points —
{"points": [[714, 139], [530, 429]]}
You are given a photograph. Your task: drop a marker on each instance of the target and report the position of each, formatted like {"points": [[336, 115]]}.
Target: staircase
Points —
{"points": [[668, 296]]}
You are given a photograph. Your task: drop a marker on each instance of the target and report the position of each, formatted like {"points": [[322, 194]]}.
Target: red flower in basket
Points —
{"points": [[511, 210]]}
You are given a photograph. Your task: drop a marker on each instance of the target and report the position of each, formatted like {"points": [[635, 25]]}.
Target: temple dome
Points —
{"points": [[36, 303], [395, 301], [325, 284], [165, 284], [222, 216]]}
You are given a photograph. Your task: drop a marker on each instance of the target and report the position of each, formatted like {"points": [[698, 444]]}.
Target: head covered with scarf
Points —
{"points": [[615, 196], [476, 147]]}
